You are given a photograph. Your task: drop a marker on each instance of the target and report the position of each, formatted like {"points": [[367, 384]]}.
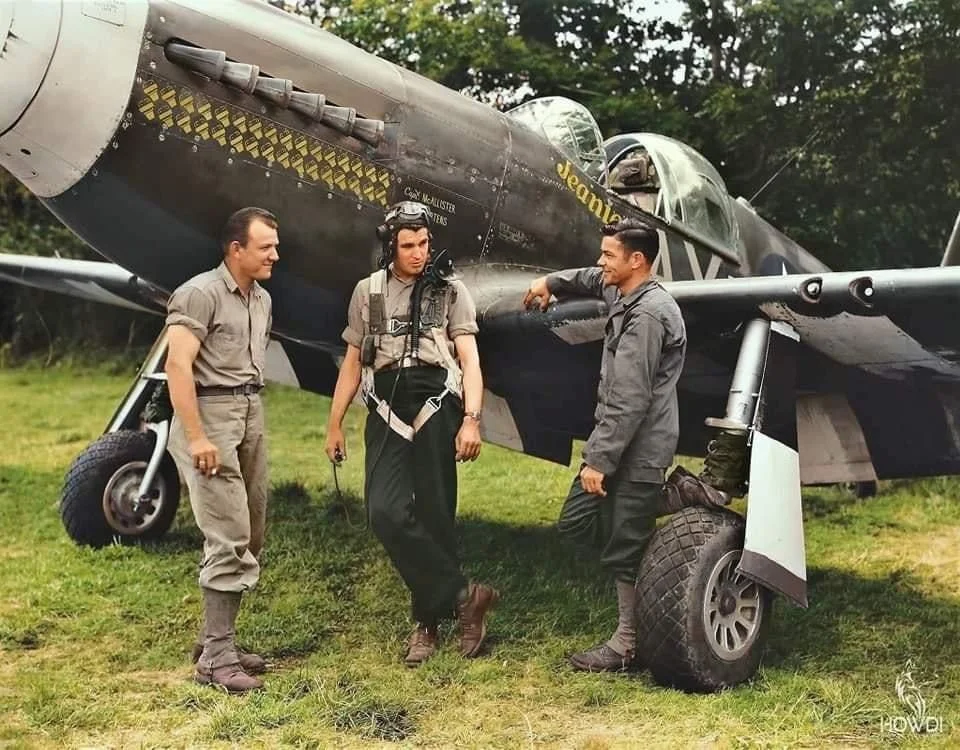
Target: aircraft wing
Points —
{"points": [[90, 280], [886, 340]]}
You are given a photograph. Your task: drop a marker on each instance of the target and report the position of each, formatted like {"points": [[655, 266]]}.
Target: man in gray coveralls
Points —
{"points": [[614, 500]]}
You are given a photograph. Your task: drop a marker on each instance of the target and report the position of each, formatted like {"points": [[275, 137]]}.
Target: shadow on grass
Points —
{"points": [[854, 622]]}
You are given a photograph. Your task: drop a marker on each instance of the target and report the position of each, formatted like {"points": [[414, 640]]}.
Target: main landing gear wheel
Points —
{"points": [[700, 625], [101, 501]]}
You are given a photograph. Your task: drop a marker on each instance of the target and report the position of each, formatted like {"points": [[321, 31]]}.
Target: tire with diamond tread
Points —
{"points": [[81, 503], [671, 588]]}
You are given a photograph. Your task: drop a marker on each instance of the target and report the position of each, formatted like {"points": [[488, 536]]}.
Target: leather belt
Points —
{"points": [[247, 389]]}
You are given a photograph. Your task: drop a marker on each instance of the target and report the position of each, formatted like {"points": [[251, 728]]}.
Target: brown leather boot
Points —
{"points": [[421, 645], [683, 489], [219, 663], [230, 677], [250, 663], [602, 658], [472, 617]]}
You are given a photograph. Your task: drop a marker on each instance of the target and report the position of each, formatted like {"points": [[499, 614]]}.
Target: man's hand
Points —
{"points": [[206, 457], [336, 447], [468, 440], [592, 481], [538, 288]]}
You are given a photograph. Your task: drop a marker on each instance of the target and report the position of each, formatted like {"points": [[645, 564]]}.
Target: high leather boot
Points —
{"points": [[219, 663], [251, 663]]}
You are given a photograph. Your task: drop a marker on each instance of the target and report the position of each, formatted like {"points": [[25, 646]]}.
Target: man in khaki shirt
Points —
{"points": [[411, 340], [218, 329]]}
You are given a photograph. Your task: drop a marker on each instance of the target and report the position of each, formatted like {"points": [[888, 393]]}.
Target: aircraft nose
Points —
{"points": [[66, 74], [28, 39]]}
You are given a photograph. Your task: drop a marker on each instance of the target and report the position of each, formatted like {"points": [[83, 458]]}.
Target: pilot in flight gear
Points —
{"points": [[411, 350]]}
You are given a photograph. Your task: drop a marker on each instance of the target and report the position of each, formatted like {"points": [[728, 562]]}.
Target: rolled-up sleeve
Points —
{"points": [[191, 308], [462, 315], [586, 282], [628, 390], [353, 333]]}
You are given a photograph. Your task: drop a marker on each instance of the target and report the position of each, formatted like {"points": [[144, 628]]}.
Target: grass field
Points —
{"points": [[93, 644]]}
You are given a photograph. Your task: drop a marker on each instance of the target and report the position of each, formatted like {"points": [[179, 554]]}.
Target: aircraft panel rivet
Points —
{"points": [[161, 137], [267, 173], [194, 148], [229, 161], [153, 65]]}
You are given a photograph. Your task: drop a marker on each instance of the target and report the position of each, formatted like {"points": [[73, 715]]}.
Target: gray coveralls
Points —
{"points": [[411, 484], [636, 420], [230, 508]]}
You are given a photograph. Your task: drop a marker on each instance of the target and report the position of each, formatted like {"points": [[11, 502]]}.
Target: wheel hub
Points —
{"points": [[728, 603], [124, 509], [732, 610]]}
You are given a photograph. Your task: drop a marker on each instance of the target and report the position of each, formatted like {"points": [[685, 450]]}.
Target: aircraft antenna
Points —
{"points": [[793, 156]]}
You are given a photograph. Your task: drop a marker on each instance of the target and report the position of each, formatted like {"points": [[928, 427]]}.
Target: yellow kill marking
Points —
{"points": [[146, 108], [202, 128], [204, 108], [297, 164], [186, 100], [183, 122]]}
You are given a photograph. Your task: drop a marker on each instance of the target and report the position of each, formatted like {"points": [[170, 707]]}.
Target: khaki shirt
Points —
{"points": [[457, 318], [233, 329]]}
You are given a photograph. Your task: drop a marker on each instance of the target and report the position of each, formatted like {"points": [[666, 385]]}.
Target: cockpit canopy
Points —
{"points": [[568, 126], [665, 176], [687, 187]]}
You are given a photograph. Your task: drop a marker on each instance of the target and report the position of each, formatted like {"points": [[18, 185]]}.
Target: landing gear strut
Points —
{"points": [[706, 580], [124, 486]]}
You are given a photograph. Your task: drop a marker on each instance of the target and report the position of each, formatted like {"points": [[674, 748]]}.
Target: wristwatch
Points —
{"points": [[472, 415]]}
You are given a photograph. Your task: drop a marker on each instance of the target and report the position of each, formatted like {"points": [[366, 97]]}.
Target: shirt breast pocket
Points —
{"points": [[226, 340], [612, 334]]}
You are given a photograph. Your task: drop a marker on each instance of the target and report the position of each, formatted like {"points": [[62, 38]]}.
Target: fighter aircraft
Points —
{"points": [[142, 125]]}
